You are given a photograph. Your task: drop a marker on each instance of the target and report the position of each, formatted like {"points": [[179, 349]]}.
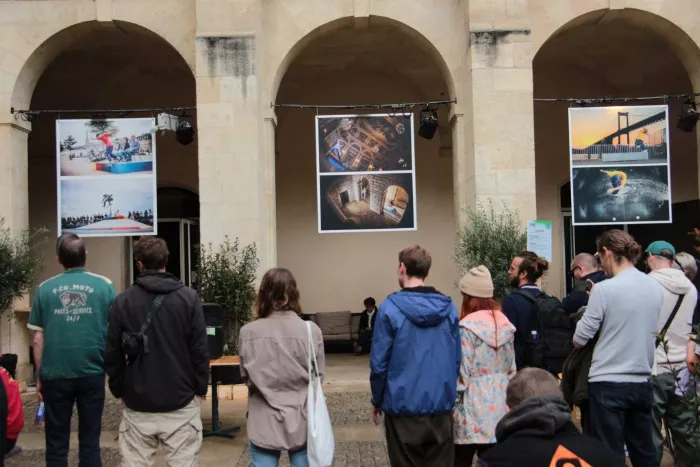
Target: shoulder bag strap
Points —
{"points": [[669, 320], [313, 366], [147, 324]]}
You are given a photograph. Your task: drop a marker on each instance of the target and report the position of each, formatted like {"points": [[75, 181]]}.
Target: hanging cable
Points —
{"points": [[31, 115], [395, 108], [615, 100]]}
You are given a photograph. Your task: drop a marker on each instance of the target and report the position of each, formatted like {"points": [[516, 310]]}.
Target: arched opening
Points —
{"points": [[365, 192], [625, 54], [119, 67], [394, 203], [383, 63], [178, 225]]}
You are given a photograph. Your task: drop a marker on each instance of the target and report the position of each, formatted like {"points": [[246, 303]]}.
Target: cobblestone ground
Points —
{"points": [[351, 454], [35, 457]]}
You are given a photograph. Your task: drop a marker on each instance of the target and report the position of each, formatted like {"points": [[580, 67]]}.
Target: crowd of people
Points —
{"points": [[486, 382], [144, 217], [71, 222], [449, 383]]}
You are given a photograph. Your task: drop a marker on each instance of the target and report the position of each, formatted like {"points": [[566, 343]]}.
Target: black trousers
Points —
{"points": [[59, 396], [420, 441], [464, 453]]}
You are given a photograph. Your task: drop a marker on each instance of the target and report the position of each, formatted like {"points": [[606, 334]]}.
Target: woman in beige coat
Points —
{"points": [[274, 355]]}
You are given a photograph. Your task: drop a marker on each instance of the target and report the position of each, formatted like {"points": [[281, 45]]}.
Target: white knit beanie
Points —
{"points": [[477, 283]]}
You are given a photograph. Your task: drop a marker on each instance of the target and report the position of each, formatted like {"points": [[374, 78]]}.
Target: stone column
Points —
{"points": [[462, 169], [14, 190], [268, 226], [502, 107], [14, 208], [234, 197]]}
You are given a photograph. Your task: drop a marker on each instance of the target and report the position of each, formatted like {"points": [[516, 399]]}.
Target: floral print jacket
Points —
{"points": [[488, 363]]}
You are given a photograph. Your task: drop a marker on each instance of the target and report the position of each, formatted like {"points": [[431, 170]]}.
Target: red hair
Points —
{"points": [[472, 304]]}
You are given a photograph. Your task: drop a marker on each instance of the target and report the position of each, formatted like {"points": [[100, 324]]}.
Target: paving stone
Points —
{"points": [[350, 454], [35, 457]]}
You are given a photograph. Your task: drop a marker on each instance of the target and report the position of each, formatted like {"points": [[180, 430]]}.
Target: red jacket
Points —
{"points": [[15, 413]]}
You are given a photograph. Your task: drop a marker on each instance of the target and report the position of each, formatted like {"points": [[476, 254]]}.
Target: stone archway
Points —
{"points": [[382, 63], [90, 66], [615, 53]]}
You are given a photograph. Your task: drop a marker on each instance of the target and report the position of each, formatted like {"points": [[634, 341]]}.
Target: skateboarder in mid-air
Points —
{"points": [[617, 178]]}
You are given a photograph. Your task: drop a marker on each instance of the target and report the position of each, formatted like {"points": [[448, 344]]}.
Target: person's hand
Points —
{"points": [[692, 360], [39, 397], [592, 285], [376, 415]]}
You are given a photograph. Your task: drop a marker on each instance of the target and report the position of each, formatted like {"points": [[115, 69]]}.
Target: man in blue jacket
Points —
{"points": [[415, 358]]}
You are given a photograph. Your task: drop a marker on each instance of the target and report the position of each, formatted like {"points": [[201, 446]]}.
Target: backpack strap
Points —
{"points": [[522, 293], [670, 319], [147, 324]]}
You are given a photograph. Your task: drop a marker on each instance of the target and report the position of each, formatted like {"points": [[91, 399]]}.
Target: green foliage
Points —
{"points": [[69, 142], [227, 277], [100, 126], [20, 263], [490, 238]]}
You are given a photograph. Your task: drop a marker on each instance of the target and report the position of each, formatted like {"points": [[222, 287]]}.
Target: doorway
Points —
{"points": [[182, 237]]}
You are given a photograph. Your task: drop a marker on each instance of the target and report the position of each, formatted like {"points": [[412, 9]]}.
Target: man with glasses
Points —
{"points": [[585, 270], [674, 327]]}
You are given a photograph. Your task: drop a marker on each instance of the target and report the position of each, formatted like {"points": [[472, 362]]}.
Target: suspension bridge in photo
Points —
{"points": [[607, 150]]}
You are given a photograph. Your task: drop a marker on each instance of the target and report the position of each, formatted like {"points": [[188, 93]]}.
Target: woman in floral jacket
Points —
{"points": [[488, 363]]}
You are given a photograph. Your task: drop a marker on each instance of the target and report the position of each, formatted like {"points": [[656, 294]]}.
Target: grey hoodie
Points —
{"points": [[674, 283]]}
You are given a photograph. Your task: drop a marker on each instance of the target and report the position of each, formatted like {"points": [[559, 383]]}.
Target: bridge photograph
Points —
{"points": [[629, 135]]}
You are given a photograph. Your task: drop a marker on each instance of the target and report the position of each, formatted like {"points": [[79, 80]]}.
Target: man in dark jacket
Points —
{"points": [[367, 320], [539, 432], [415, 358], [586, 271], [524, 271], [158, 367]]}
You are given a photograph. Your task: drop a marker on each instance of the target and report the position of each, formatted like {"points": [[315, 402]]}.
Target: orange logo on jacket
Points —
{"points": [[565, 458]]}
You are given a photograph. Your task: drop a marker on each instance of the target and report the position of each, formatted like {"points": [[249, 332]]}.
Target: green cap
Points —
{"points": [[661, 248]]}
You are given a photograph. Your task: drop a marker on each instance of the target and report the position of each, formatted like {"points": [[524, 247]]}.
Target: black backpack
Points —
{"points": [[554, 333]]}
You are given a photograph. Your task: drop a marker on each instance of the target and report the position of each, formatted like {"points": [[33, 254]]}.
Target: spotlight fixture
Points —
{"points": [[428, 123], [688, 118], [184, 133]]}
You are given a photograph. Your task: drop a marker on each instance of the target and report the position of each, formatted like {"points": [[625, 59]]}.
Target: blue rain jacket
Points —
{"points": [[416, 353]]}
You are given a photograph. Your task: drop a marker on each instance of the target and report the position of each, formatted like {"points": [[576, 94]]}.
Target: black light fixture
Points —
{"points": [[184, 133], [688, 118], [428, 123]]}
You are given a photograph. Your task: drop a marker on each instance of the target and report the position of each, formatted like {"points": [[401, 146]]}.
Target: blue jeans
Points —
{"points": [[621, 413], [364, 339], [260, 457]]}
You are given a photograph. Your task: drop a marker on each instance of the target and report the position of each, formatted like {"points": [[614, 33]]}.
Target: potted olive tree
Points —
{"points": [[20, 263], [491, 238], [226, 276]]}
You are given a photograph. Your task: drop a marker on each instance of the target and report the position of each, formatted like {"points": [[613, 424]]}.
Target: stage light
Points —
{"points": [[688, 118], [428, 123], [184, 133]]}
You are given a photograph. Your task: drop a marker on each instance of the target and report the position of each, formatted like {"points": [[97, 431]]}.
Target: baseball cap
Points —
{"points": [[661, 248]]}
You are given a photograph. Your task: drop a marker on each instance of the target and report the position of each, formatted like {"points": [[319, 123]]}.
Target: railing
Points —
{"points": [[596, 151]]}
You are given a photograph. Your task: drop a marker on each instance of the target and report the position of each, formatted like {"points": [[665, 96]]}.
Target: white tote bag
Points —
{"points": [[319, 442]]}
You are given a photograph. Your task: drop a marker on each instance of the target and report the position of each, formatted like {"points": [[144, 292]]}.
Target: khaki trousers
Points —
{"points": [[179, 432]]}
